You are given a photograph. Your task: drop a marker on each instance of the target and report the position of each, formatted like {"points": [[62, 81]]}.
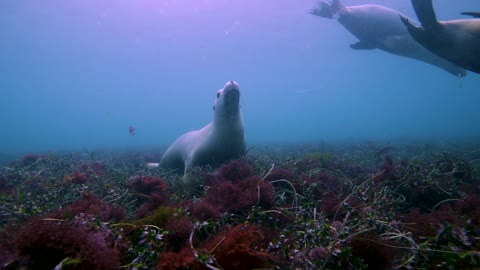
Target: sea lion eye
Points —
{"points": [[218, 94]]}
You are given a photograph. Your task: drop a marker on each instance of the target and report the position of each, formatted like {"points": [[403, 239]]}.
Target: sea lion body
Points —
{"points": [[379, 27], [219, 141], [457, 41]]}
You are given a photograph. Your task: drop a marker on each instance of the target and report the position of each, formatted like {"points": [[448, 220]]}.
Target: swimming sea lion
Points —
{"points": [[219, 141], [378, 27], [457, 41]]}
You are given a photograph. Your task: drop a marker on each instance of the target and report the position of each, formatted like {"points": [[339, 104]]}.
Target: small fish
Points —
{"points": [[151, 165], [303, 91], [131, 130]]}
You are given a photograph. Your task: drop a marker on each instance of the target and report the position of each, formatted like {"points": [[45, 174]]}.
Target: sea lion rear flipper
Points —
{"points": [[473, 14], [361, 45], [328, 10], [425, 13]]}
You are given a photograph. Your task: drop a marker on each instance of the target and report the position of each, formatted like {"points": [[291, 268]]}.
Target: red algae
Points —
{"points": [[89, 204], [152, 191], [237, 248], [235, 170], [42, 244], [340, 209], [76, 178]]}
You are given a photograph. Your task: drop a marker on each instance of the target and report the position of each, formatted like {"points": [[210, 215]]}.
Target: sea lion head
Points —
{"points": [[227, 102]]}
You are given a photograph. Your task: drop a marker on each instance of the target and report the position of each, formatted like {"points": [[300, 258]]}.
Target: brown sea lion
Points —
{"points": [[457, 41]]}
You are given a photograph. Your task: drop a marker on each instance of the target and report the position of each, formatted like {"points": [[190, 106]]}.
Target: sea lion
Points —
{"points": [[219, 141], [457, 41], [378, 27]]}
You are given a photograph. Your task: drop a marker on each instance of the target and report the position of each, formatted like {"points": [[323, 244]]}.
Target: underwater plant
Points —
{"points": [[234, 197], [89, 204], [271, 209], [185, 259], [45, 243], [77, 178], [180, 228], [93, 168], [203, 210], [151, 191], [240, 248], [235, 170], [30, 159]]}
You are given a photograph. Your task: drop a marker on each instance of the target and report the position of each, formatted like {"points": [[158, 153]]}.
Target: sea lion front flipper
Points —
{"points": [[473, 14], [361, 45], [425, 13], [415, 32]]}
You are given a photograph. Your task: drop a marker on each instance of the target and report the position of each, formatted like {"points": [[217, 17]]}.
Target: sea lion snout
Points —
{"points": [[231, 85], [233, 97], [231, 90]]}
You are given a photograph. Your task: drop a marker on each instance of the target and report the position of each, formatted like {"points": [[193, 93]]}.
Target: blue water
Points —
{"points": [[77, 74]]}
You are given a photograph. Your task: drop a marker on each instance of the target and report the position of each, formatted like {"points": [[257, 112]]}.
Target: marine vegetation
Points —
{"points": [[349, 206]]}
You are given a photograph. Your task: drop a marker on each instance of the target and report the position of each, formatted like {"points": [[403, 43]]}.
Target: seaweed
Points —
{"points": [[45, 243], [238, 248], [151, 191], [235, 170], [283, 207], [89, 204]]}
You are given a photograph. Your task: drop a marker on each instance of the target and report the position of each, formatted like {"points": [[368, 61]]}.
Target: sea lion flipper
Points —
{"points": [[361, 45], [328, 10], [425, 13], [414, 31], [473, 14]]}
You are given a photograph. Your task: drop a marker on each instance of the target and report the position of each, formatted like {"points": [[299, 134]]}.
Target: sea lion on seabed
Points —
{"points": [[457, 41], [378, 27], [219, 141]]}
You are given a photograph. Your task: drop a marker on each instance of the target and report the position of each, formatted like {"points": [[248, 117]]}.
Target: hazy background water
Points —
{"points": [[75, 74]]}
